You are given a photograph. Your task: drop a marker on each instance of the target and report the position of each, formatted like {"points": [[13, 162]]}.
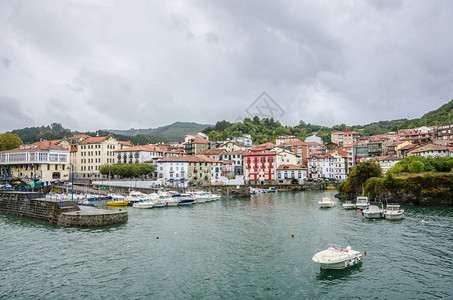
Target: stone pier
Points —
{"points": [[60, 212]]}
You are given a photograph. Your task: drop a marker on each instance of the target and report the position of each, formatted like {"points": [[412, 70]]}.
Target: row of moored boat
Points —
{"points": [[161, 199]]}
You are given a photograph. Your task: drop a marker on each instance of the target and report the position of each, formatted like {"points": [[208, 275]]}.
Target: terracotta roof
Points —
{"points": [[340, 152], [125, 143], [228, 162], [258, 152], [433, 148], [199, 141], [208, 159], [79, 136], [150, 148], [386, 157], [93, 140], [212, 152], [290, 167], [297, 143], [236, 152], [38, 146], [175, 158]]}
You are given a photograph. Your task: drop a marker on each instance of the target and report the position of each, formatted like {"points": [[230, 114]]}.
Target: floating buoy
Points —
{"points": [[423, 221], [176, 233], [40, 286], [128, 246], [364, 252], [374, 219], [157, 237], [292, 234]]}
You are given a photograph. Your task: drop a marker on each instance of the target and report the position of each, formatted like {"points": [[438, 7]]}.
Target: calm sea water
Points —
{"points": [[230, 249]]}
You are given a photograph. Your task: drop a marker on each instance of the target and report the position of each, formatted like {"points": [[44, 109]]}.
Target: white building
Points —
{"points": [[282, 139], [433, 150], [340, 164], [43, 161], [173, 171], [245, 140], [192, 136], [291, 174], [288, 157], [237, 158], [321, 166], [314, 139], [141, 154]]}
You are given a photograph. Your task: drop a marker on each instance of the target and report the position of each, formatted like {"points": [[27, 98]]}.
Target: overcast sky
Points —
{"points": [[138, 64]]}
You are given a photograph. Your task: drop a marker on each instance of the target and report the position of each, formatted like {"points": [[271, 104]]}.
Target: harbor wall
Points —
{"points": [[62, 213]]}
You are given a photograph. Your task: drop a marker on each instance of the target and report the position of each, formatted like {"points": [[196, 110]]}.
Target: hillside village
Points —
{"points": [[237, 161]]}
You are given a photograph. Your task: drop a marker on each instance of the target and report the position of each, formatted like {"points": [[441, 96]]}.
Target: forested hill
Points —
{"points": [[55, 131], [266, 130], [175, 131]]}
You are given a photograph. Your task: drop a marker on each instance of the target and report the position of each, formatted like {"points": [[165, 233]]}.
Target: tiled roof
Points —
{"points": [[340, 152], [433, 148], [93, 140], [228, 162], [38, 146], [79, 136], [199, 141], [236, 152], [290, 167], [258, 152], [151, 148], [212, 152], [208, 159], [297, 143], [125, 143]]}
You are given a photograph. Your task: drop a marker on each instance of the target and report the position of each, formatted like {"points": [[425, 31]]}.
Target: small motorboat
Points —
{"points": [[393, 212], [143, 204], [337, 257], [118, 201], [330, 188], [326, 202], [362, 202], [348, 205], [373, 212]]}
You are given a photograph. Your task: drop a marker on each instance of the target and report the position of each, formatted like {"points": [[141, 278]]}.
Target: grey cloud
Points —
{"points": [[149, 63]]}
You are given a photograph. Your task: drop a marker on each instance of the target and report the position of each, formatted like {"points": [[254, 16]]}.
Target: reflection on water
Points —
{"points": [[333, 275], [257, 247]]}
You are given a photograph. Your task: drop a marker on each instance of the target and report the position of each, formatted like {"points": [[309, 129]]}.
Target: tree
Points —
{"points": [[416, 167], [9, 141], [361, 173]]}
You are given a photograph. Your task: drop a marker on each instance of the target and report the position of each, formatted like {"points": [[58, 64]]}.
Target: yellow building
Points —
{"points": [[344, 138], [88, 154]]}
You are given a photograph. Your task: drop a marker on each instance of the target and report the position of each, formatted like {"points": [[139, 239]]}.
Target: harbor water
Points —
{"points": [[231, 249]]}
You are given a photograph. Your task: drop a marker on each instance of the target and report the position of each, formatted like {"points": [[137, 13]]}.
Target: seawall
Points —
{"points": [[62, 213]]}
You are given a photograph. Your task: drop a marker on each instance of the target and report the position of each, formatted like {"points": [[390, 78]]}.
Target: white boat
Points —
{"points": [[135, 196], [143, 204], [327, 202], [362, 202], [337, 257], [199, 197], [393, 212], [373, 212], [348, 205]]}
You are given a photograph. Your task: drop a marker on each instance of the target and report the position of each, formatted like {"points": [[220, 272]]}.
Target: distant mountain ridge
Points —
{"points": [[175, 131]]}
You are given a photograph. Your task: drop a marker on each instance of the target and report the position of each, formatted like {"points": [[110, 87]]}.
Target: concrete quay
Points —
{"points": [[64, 213]]}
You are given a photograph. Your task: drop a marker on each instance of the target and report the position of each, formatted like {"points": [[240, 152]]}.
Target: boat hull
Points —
{"points": [[337, 260], [348, 206], [373, 215], [393, 216], [118, 203]]}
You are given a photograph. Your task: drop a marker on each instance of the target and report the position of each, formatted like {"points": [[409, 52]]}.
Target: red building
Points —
{"points": [[260, 166]]}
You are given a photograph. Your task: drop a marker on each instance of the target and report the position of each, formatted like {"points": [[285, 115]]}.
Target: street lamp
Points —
{"points": [[72, 181]]}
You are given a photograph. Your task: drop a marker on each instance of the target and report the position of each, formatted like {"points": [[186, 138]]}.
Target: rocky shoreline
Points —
{"points": [[403, 199]]}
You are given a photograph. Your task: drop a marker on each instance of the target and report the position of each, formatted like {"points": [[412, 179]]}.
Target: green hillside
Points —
{"points": [[175, 131]]}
